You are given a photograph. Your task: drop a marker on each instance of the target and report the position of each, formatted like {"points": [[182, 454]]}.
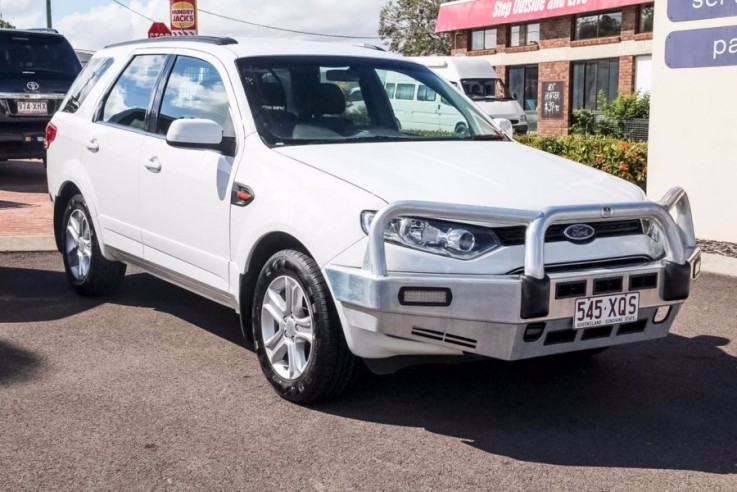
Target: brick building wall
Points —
{"points": [[554, 72], [555, 34]]}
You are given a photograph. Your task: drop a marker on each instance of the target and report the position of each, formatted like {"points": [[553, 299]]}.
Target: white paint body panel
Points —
{"points": [[181, 217]]}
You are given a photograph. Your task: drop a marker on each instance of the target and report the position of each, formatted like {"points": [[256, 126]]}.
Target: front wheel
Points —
{"points": [[297, 333], [87, 270]]}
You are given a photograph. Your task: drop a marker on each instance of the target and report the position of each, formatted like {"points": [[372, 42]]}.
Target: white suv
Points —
{"points": [[235, 170]]}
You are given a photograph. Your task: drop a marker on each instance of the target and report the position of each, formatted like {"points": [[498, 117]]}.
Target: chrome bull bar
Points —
{"points": [[680, 239]]}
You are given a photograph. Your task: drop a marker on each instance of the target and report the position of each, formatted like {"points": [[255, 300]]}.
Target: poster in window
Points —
{"points": [[552, 100]]}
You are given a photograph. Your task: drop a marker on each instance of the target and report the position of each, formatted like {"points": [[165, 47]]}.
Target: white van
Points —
{"points": [[418, 107], [478, 80]]}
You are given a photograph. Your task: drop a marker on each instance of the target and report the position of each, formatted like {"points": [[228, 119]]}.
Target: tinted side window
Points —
{"points": [[194, 90], [128, 100], [83, 85]]}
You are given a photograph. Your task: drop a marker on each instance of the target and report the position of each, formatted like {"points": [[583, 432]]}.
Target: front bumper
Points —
{"points": [[513, 316]]}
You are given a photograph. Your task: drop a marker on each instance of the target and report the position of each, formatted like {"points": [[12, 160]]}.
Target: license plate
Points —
{"points": [[606, 310], [33, 107]]}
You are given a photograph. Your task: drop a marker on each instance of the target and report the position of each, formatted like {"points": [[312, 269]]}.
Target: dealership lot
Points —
{"points": [[154, 387]]}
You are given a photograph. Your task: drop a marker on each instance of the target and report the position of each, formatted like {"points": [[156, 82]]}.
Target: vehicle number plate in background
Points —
{"points": [[606, 310], [32, 107]]}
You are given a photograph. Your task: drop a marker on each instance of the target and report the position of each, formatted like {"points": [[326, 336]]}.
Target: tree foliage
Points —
{"points": [[408, 26], [6, 25]]}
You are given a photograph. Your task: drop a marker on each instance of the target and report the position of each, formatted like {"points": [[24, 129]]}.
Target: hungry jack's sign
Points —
{"points": [[480, 13]]}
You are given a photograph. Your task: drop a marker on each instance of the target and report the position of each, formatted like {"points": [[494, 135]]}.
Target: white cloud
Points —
{"points": [[93, 28]]}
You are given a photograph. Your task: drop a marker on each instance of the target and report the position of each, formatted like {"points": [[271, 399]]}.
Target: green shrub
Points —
{"points": [[621, 158], [612, 116]]}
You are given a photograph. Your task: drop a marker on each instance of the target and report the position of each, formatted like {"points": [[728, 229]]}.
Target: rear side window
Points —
{"points": [[128, 100], [194, 90], [42, 56], [86, 81]]}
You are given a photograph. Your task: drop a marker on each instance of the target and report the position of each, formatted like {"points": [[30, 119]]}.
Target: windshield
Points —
{"points": [[485, 89], [317, 99], [40, 55]]}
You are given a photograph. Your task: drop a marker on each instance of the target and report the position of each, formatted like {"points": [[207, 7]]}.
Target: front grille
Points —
{"points": [[624, 262], [515, 236]]}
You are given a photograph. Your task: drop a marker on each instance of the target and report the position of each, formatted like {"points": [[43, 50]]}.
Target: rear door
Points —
{"points": [[186, 193], [112, 147]]}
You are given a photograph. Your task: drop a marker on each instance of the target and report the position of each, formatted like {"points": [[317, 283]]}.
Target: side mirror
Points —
{"points": [[195, 134], [505, 126]]}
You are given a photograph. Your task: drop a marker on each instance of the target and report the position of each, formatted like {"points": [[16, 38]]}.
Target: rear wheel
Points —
{"points": [[297, 333], [87, 270]]}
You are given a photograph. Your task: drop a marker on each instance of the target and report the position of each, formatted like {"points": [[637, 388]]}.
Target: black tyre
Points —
{"points": [[87, 270], [296, 331], [461, 130]]}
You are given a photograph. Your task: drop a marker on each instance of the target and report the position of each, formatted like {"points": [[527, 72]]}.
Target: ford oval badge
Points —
{"points": [[579, 233]]}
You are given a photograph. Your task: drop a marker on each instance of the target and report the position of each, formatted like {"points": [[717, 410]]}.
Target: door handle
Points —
{"points": [[153, 165], [92, 145]]}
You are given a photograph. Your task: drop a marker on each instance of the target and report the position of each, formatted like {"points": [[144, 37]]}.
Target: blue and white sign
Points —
{"points": [[715, 47], [688, 10]]}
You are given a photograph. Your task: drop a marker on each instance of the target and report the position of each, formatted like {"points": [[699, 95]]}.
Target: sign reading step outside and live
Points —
{"points": [[714, 47]]}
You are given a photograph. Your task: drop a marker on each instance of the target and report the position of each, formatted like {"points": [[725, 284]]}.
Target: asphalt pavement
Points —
{"points": [[152, 389]]}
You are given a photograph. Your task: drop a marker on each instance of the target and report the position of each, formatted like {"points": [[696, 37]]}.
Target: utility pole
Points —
{"points": [[48, 14]]}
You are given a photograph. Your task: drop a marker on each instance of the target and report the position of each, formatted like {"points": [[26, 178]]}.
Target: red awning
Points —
{"points": [[467, 14]]}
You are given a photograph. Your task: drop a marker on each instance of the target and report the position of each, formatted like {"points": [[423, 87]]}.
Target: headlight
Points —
{"points": [[523, 118], [440, 237], [652, 230]]}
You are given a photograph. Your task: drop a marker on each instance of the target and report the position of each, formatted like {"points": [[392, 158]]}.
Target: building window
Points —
{"points": [[524, 34], [647, 14], [483, 39], [594, 81], [599, 25], [522, 83]]}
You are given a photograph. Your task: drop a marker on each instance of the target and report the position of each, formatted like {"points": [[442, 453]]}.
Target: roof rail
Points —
{"points": [[220, 41]]}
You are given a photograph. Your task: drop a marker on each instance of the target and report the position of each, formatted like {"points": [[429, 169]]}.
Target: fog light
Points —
{"points": [[661, 314], [425, 296]]}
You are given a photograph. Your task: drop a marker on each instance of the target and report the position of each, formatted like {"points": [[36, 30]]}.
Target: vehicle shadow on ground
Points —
{"points": [[28, 296], [16, 364], [669, 404], [23, 177]]}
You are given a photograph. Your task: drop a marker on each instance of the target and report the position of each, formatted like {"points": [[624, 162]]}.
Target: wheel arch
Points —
{"points": [[66, 191], [265, 248]]}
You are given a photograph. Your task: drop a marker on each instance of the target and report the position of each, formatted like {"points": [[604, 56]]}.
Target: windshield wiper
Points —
{"points": [[480, 138]]}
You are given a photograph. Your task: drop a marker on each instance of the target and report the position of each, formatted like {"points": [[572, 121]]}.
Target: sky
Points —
{"points": [[93, 24]]}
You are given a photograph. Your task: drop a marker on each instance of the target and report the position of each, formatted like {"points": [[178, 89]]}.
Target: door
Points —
{"points": [[111, 152], [186, 193]]}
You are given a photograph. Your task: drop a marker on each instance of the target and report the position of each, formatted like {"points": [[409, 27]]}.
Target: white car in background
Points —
{"points": [[236, 169]]}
